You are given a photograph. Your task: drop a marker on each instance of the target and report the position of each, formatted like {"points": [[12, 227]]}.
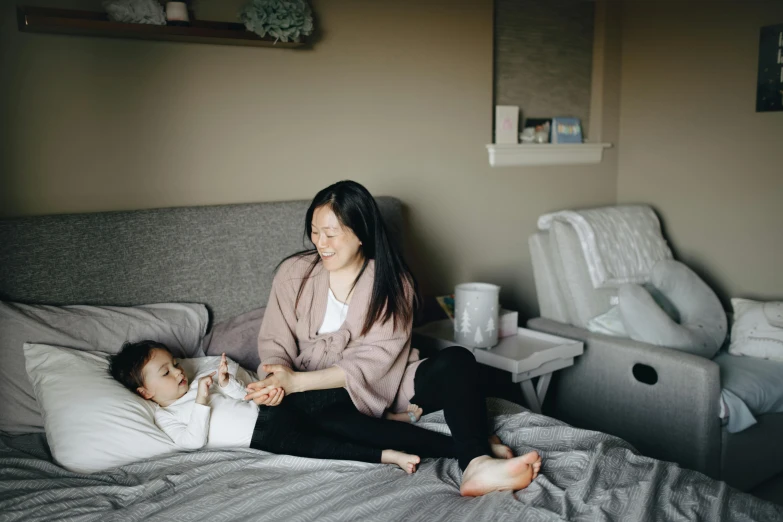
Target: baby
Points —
{"points": [[203, 413]]}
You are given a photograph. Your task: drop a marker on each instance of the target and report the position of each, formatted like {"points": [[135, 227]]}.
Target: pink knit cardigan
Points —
{"points": [[379, 366]]}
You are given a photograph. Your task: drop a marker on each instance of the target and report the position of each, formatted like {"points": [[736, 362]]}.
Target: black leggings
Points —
{"points": [[449, 381], [325, 423]]}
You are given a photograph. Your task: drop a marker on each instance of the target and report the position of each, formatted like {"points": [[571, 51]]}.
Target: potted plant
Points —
{"points": [[285, 20]]}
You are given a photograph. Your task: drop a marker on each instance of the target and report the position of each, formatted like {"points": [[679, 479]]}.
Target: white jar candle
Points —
{"points": [[476, 309]]}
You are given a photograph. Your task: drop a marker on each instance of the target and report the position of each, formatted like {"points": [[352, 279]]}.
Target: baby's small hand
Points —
{"points": [[203, 388], [223, 375]]}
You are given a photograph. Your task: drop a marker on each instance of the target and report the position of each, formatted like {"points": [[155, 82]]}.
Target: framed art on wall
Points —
{"points": [[769, 96]]}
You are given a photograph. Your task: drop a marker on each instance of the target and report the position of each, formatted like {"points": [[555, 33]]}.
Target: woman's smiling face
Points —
{"points": [[337, 245]]}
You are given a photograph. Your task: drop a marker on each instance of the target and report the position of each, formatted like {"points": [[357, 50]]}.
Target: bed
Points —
{"points": [[224, 256]]}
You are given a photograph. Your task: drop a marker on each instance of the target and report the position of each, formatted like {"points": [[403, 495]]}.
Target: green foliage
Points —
{"points": [[286, 20]]}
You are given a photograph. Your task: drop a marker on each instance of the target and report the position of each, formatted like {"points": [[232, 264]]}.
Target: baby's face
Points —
{"points": [[164, 379]]}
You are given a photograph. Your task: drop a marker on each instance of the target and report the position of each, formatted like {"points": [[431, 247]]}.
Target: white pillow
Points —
{"points": [[758, 329], [609, 323], [92, 422], [179, 326], [701, 328]]}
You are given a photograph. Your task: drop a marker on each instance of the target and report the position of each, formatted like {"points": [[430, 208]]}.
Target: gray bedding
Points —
{"points": [[586, 476]]}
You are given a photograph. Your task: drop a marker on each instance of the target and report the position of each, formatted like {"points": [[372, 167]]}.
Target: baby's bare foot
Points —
{"points": [[499, 449], [405, 461], [485, 474], [406, 416]]}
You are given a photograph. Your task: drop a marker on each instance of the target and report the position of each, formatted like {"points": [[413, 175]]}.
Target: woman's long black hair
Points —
{"points": [[356, 209]]}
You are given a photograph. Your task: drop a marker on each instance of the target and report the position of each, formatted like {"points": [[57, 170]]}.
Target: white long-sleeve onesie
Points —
{"points": [[227, 421]]}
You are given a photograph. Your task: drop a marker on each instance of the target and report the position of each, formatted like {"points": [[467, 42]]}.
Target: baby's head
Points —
{"points": [[149, 369]]}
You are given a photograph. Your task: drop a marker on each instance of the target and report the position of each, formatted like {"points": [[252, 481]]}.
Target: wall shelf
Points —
{"points": [[88, 23], [530, 154]]}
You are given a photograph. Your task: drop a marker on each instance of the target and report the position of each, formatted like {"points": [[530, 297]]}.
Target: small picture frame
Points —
{"points": [[506, 124], [541, 129], [566, 130]]}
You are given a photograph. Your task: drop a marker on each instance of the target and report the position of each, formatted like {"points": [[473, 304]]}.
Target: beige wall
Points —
{"points": [[396, 95], [692, 143]]}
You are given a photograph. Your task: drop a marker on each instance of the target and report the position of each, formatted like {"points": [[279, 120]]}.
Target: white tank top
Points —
{"points": [[335, 315]]}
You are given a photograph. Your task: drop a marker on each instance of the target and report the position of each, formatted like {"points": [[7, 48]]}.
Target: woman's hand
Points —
{"points": [[280, 376], [289, 381], [264, 395], [274, 398], [270, 391]]}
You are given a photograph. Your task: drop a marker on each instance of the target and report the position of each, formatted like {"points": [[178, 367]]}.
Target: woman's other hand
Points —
{"points": [[290, 381], [279, 376], [276, 397], [264, 395], [264, 392]]}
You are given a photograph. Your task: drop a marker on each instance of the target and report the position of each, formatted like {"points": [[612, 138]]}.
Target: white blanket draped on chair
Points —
{"points": [[620, 244]]}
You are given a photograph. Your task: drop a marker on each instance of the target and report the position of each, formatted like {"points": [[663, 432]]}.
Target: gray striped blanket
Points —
{"points": [[586, 476]]}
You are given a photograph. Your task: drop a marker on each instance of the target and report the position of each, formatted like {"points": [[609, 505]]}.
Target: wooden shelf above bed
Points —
{"points": [[89, 23]]}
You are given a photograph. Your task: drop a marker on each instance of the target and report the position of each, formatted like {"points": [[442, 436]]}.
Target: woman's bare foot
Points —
{"points": [[536, 468], [499, 449], [405, 461], [406, 415], [485, 474]]}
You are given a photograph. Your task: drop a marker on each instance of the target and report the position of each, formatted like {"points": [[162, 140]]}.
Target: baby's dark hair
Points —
{"points": [[126, 366]]}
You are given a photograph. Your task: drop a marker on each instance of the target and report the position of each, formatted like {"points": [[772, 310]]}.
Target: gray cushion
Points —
{"points": [[758, 382], [105, 329], [238, 338], [702, 326]]}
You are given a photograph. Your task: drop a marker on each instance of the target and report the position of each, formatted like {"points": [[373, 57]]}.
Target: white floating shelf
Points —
{"points": [[529, 154]]}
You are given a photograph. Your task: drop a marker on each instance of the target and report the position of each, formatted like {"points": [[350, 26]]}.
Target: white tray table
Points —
{"points": [[527, 355]]}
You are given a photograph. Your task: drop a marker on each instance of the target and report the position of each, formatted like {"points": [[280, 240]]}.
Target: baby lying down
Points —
{"points": [[205, 413]]}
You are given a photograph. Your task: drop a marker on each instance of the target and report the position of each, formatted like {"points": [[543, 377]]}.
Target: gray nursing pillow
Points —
{"points": [[701, 328]]}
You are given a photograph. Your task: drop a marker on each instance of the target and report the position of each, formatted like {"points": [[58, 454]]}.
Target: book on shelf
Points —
{"points": [[506, 124], [540, 124], [446, 302], [566, 130]]}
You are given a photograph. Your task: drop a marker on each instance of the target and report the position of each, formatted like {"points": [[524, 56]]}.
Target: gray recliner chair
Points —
{"points": [[663, 401]]}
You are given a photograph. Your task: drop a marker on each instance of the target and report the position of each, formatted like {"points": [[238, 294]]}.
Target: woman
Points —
{"points": [[336, 341]]}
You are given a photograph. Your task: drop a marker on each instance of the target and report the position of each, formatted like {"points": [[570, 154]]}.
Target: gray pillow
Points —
{"points": [[105, 329], [756, 381], [701, 328], [238, 338]]}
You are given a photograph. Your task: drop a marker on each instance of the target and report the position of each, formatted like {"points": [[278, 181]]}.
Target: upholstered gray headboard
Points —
{"points": [[223, 256]]}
